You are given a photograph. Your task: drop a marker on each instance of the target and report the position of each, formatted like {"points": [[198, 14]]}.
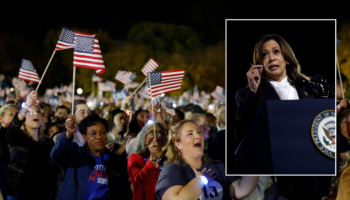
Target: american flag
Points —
{"points": [[195, 96], [219, 94], [124, 77], [164, 81], [107, 86], [170, 111], [338, 41], [150, 66], [67, 39], [96, 78], [87, 54], [27, 72]]}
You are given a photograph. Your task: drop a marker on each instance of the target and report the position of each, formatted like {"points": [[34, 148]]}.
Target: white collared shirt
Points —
{"points": [[284, 90]]}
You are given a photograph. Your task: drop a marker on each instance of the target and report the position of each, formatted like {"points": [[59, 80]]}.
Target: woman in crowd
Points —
{"points": [[118, 123], [50, 130], [92, 172], [31, 173], [146, 163], [7, 113], [138, 120], [182, 178]]}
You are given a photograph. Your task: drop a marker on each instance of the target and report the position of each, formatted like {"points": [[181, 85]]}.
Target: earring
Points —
{"points": [[181, 150], [287, 63], [146, 147]]}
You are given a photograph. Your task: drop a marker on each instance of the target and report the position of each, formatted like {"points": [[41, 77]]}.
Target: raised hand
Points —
{"points": [[126, 101], [31, 99], [154, 149], [71, 126], [254, 77]]}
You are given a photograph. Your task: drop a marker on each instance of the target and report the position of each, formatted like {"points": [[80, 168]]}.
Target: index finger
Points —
{"points": [[256, 67]]}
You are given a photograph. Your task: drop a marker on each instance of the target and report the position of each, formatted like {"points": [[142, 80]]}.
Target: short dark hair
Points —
{"points": [[111, 116], [62, 107], [48, 127], [210, 115], [180, 113], [90, 121], [343, 78], [77, 102]]}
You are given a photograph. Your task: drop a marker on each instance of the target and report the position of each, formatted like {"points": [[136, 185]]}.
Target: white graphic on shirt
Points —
{"points": [[216, 191]]}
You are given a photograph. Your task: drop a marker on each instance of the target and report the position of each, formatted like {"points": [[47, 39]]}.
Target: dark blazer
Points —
{"points": [[78, 164], [249, 103]]}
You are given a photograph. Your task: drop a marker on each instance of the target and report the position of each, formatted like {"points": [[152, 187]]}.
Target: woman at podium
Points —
{"points": [[271, 77]]}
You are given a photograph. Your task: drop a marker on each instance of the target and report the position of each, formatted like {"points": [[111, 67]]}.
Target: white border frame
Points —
{"points": [[335, 83]]}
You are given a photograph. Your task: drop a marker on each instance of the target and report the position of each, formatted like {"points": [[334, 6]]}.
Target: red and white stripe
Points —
{"points": [[150, 66], [171, 81], [62, 45], [218, 94], [170, 111], [28, 76], [123, 77], [91, 61]]}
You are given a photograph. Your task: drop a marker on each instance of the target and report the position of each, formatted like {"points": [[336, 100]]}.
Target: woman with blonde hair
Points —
{"points": [[31, 166], [182, 176]]}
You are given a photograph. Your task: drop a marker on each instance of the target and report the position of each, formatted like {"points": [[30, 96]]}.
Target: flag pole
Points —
{"points": [[340, 81], [17, 91], [139, 86], [74, 69], [93, 88], [37, 87], [152, 107]]}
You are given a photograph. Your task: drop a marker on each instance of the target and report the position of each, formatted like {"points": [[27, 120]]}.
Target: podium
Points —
{"points": [[279, 140]]}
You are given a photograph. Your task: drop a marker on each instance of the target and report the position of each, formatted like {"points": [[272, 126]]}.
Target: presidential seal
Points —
{"points": [[323, 132]]}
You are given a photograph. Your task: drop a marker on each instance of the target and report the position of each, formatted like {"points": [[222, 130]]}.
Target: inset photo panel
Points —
{"points": [[281, 77]]}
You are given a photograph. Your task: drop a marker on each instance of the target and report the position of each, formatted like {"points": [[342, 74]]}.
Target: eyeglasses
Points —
{"points": [[158, 132]]}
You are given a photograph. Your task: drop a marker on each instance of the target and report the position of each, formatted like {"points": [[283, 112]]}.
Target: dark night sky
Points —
{"points": [[33, 20]]}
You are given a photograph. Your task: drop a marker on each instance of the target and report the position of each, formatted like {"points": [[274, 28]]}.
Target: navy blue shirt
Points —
{"points": [[174, 174]]}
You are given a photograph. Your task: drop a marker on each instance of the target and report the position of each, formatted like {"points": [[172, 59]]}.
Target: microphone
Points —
{"points": [[308, 86], [320, 83], [325, 90]]}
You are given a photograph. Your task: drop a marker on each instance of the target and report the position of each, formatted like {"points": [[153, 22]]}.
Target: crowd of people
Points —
{"points": [[72, 152]]}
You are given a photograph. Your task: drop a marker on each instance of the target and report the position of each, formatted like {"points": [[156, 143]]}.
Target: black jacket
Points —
{"points": [[249, 103]]}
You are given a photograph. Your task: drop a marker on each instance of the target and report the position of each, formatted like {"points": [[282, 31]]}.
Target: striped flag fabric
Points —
{"points": [[170, 111], [164, 82], [107, 86], [124, 77], [87, 53], [150, 66], [27, 72], [195, 96], [67, 39], [219, 94], [96, 78]]}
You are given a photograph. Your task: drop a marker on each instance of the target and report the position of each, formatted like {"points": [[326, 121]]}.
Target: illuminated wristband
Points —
{"points": [[339, 107], [22, 114], [203, 179]]}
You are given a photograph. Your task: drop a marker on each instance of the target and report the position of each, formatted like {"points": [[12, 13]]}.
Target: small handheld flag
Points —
{"points": [[150, 66], [219, 94], [27, 72], [164, 81]]}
